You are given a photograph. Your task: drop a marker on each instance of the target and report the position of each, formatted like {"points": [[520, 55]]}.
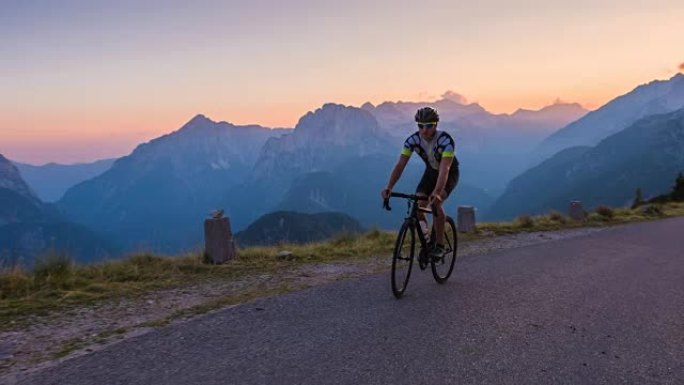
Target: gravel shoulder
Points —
{"points": [[50, 339]]}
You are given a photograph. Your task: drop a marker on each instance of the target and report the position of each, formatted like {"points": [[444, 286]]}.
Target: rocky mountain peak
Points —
{"points": [[368, 106], [11, 179], [198, 123], [337, 122]]}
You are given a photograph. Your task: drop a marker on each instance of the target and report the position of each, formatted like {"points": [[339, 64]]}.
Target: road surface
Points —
{"points": [[607, 308]]}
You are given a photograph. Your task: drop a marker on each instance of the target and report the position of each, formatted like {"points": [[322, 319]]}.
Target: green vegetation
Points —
{"points": [[524, 221], [57, 283], [605, 212], [676, 194], [601, 216]]}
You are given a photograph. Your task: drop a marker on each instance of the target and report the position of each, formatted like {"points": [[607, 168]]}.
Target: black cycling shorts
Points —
{"points": [[429, 181]]}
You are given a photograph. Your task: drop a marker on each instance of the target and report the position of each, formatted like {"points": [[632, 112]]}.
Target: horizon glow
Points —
{"points": [[85, 80]]}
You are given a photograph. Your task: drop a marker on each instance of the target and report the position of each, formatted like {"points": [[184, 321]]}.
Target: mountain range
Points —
{"points": [[336, 159], [156, 198]]}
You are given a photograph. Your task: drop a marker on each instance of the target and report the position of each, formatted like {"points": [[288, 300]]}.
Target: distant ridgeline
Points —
{"points": [[294, 227], [29, 227]]}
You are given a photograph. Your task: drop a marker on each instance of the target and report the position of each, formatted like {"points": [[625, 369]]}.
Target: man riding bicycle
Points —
{"points": [[436, 148]]}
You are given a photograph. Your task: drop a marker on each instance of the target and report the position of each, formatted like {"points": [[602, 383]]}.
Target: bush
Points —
{"points": [[555, 216], [373, 233], [524, 221], [652, 210], [14, 283], [343, 238], [53, 264], [605, 212], [144, 260]]}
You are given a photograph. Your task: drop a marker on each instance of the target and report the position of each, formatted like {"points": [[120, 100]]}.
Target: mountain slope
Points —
{"points": [[157, 197], [647, 155], [294, 227]]}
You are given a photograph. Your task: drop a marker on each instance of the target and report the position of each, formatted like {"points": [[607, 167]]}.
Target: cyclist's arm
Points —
{"points": [[398, 170], [444, 166]]}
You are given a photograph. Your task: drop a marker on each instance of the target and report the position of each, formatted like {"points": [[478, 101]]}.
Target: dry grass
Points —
{"points": [[607, 213], [57, 282], [602, 216]]}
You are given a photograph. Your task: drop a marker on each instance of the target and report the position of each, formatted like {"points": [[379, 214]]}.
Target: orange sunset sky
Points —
{"points": [[85, 80]]}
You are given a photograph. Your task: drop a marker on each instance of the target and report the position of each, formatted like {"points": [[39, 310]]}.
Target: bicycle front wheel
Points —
{"points": [[402, 260], [444, 266]]}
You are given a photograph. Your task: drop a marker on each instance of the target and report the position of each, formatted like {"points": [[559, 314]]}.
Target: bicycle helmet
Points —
{"points": [[427, 115]]}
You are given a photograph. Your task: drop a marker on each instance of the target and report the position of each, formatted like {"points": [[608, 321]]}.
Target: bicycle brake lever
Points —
{"points": [[385, 205]]}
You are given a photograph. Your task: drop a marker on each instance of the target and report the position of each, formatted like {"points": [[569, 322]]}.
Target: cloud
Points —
{"points": [[681, 67], [424, 96], [454, 97]]}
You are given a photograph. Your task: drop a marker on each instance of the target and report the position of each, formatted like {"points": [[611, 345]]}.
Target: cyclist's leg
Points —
{"points": [[440, 219], [424, 188]]}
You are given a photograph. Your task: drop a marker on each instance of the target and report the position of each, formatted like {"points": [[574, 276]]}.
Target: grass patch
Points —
{"points": [[557, 217], [602, 216], [524, 221], [57, 283]]}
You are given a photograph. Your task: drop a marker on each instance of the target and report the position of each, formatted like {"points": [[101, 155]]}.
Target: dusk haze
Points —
{"points": [[84, 80]]}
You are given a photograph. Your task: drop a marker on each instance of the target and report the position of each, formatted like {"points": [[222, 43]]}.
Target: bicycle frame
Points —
{"points": [[414, 207]]}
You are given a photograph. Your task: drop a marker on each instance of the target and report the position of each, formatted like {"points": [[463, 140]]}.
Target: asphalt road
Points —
{"points": [[606, 308]]}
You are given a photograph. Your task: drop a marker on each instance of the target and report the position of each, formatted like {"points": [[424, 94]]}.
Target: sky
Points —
{"points": [[86, 80]]}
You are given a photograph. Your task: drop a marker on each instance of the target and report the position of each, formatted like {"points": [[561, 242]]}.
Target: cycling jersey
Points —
{"points": [[432, 152]]}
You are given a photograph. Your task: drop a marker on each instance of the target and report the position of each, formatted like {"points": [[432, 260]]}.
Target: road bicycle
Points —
{"points": [[405, 249]]}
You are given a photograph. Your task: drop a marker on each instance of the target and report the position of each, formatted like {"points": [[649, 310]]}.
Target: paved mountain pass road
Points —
{"points": [[606, 308]]}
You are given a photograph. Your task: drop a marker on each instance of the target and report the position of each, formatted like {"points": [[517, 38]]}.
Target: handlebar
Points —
{"points": [[412, 197]]}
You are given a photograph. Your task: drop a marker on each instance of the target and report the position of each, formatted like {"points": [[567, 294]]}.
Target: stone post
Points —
{"points": [[466, 219], [218, 240], [576, 211]]}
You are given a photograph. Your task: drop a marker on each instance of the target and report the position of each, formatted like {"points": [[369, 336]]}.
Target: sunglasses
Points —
{"points": [[427, 125]]}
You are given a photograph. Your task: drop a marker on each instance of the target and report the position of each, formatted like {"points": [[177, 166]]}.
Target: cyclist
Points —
{"points": [[441, 175]]}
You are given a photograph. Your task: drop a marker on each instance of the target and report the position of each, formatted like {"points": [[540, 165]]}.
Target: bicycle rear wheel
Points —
{"points": [[402, 259], [444, 266]]}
